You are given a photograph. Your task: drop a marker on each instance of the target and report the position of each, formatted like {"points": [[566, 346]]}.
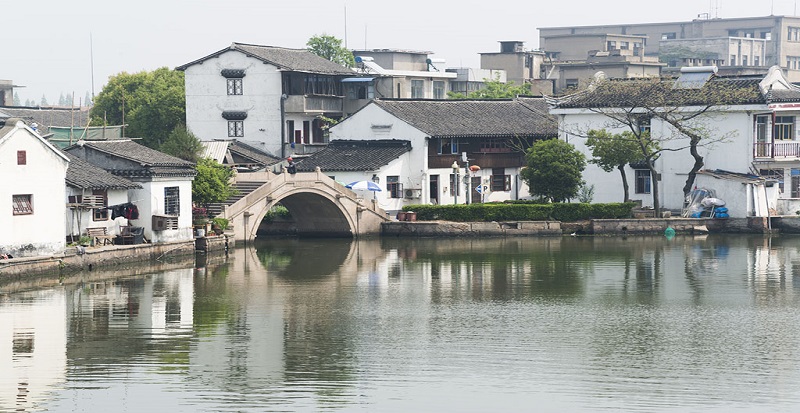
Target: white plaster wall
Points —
{"points": [[150, 201], [84, 217], [43, 232], [207, 98], [412, 168], [734, 154]]}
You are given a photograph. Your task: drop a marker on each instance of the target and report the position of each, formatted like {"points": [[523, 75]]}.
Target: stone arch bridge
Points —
{"points": [[319, 205]]}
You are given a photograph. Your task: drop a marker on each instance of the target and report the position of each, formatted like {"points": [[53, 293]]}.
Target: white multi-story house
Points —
{"points": [[446, 138], [759, 130], [271, 96], [32, 192]]}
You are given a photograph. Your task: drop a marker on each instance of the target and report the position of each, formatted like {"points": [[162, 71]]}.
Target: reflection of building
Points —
{"points": [[33, 336]]}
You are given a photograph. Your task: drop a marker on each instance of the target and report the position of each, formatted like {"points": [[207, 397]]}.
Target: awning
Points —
{"points": [[357, 79]]}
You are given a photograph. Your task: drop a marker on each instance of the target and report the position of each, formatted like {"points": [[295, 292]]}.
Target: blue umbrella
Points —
{"points": [[363, 185]]}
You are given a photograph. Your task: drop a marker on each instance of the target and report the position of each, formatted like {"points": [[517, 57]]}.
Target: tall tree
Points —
{"points": [[614, 151], [61, 100], [553, 170], [16, 102], [182, 143], [331, 48], [87, 101], [151, 104], [43, 102]]}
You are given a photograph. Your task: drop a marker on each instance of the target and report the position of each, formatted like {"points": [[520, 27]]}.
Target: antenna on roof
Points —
{"points": [[91, 61], [345, 25]]}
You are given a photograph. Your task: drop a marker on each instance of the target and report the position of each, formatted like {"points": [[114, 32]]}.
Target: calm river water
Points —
{"points": [[441, 325]]}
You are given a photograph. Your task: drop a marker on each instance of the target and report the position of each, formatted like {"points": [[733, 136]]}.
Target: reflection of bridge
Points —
{"points": [[319, 205]]}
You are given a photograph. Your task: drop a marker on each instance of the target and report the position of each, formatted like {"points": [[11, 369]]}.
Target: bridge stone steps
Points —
{"points": [[242, 188]]}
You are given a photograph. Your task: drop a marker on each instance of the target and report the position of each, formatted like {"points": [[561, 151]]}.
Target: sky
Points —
{"points": [[57, 47]]}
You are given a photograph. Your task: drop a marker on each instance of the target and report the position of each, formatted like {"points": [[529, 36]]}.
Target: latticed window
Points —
{"points": [[172, 200], [234, 86], [394, 187], [417, 89], [500, 181], [101, 214], [784, 127], [235, 128], [642, 181], [23, 204]]}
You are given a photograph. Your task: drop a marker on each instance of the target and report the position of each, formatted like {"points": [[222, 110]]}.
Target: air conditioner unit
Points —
{"points": [[164, 222], [413, 193]]}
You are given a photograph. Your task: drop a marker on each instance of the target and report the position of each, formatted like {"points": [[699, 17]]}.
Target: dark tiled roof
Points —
{"points": [[127, 149], [249, 152], [48, 116], [83, 175], [617, 93], [353, 155], [783, 96], [472, 118], [296, 60]]}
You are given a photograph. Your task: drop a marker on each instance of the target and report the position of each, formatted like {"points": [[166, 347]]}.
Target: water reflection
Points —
{"points": [[579, 324]]}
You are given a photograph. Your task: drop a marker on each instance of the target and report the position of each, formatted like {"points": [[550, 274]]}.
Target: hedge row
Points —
{"points": [[521, 212]]}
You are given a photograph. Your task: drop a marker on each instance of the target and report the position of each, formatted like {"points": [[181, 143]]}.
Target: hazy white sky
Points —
{"points": [[46, 44]]}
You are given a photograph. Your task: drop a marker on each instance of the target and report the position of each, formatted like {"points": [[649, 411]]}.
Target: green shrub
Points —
{"points": [[520, 211]]}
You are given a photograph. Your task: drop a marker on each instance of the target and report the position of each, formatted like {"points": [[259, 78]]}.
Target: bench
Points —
{"points": [[100, 236]]}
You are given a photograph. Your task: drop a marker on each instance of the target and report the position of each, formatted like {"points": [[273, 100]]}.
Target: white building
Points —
{"points": [[32, 192], [446, 137], [164, 201], [270, 95], [757, 133]]}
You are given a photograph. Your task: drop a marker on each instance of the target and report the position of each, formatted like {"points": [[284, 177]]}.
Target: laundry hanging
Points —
{"points": [[126, 210]]}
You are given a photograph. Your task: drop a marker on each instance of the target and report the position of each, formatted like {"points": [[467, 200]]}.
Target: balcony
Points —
{"points": [[313, 104], [482, 159], [788, 150]]}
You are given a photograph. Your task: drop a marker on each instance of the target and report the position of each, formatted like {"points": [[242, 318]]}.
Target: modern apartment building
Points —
{"points": [[738, 42]]}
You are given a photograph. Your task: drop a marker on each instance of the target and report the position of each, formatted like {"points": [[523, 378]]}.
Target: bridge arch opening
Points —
{"points": [[315, 215]]}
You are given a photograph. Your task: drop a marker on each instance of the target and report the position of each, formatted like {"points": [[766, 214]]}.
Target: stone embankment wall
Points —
{"points": [[460, 229], [76, 259]]}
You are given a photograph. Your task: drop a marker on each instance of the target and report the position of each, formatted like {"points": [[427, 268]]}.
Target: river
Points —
{"points": [[577, 324]]}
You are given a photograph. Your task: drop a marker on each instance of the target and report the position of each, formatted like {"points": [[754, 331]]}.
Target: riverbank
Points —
{"points": [[76, 259], [645, 226]]}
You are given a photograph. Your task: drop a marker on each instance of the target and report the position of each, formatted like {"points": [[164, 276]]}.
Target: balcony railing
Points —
{"points": [[789, 149], [305, 104]]}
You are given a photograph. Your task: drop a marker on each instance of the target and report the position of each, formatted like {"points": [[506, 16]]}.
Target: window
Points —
{"points": [[643, 123], [793, 34], [571, 83], [22, 158], [172, 200], [417, 89], [235, 128], [774, 174], [733, 60], [793, 62], [611, 45], [448, 146], [234, 86], [624, 45], [500, 181], [668, 36], [438, 89], [766, 35], [23, 204], [494, 145], [642, 181], [784, 128], [394, 187], [756, 61], [744, 60], [100, 214]]}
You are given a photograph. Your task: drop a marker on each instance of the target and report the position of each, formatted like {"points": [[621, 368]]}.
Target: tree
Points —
{"points": [[182, 143], [150, 104], [687, 110], [17, 102], [87, 101], [612, 151], [331, 48], [494, 89], [43, 101], [212, 183], [553, 170], [61, 100]]}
